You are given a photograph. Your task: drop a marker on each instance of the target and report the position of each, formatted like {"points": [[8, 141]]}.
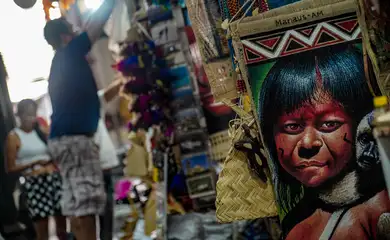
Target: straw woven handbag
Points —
{"points": [[220, 145], [241, 194]]}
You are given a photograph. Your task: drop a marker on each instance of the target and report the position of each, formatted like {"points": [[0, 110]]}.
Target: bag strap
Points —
{"points": [[332, 224], [240, 112]]}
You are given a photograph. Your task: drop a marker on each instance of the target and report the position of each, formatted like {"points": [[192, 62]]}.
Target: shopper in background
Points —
{"points": [[76, 113], [108, 160], [27, 153]]}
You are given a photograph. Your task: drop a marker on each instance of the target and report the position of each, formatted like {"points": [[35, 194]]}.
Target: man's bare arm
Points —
{"points": [[112, 90]]}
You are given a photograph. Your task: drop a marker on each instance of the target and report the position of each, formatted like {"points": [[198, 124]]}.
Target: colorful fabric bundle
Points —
{"points": [[137, 86], [149, 84]]}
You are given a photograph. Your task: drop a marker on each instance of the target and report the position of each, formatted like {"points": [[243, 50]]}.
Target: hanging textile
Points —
{"points": [[117, 26], [119, 23], [303, 65]]}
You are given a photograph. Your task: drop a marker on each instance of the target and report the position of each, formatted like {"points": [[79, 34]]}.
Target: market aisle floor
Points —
{"points": [[52, 228]]}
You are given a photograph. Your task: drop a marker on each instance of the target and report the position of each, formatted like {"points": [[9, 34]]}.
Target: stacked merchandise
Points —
{"points": [[190, 164], [190, 123], [148, 88], [217, 114], [159, 81], [190, 141]]}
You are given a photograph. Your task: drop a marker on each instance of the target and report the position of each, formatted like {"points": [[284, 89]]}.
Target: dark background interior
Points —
{"points": [[8, 211]]}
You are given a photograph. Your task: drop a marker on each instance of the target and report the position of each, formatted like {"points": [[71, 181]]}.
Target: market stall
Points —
{"points": [[255, 114]]}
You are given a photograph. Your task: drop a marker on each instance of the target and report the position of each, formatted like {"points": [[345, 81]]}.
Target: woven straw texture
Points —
{"points": [[220, 144], [222, 79], [206, 24], [373, 38], [241, 194]]}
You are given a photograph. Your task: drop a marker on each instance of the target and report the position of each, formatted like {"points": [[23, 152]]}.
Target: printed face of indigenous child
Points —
{"points": [[314, 142]]}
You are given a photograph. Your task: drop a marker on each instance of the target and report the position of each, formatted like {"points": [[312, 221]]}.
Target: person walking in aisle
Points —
{"points": [[76, 113], [27, 152]]}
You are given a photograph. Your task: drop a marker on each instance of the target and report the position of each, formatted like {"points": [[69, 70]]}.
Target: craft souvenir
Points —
{"points": [[206, 23], [241, 193], [219, 145], [217, 115], [213, 48], [374, 20], [150, 213], [304, 70], [137, 160], [204, 203], [164, 32], [195, 164], [193, 143], [222, 79], [201, 185]]}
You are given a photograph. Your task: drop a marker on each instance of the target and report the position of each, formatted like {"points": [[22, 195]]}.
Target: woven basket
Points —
{"points": [[206, 24], [220, 144], [375, 42], [241, 194], [222, 79]]}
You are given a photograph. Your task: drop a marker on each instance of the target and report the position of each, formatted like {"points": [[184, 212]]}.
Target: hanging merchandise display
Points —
{"points": [[213, 48], [137, 159], [217, 115], [244, 188], [144, 64], [118, 25], [303, 67], [189, 121], [375, 25]]}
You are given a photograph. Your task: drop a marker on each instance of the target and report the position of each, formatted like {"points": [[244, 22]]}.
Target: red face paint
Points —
{"points": [[312, 141]]}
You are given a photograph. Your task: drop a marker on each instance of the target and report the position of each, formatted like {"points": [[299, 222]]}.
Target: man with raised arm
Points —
{"points": [[75, 117]]}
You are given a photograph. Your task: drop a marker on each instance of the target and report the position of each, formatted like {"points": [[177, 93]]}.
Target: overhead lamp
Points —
{"points": [[25, 4]]}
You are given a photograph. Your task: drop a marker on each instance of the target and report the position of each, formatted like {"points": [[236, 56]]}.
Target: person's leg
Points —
{"points": [[106, 220], [56, 193], [61, 227], [42, 228], [34, 189], [83, 195], [84, 227]]}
